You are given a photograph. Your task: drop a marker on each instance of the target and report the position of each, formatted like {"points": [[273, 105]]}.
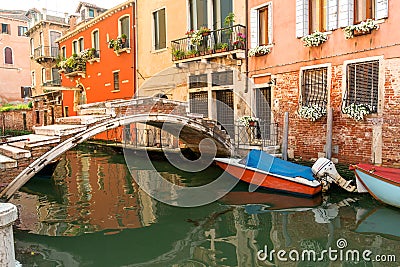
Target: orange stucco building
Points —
{"points": [[345, 70], [106, 73]]}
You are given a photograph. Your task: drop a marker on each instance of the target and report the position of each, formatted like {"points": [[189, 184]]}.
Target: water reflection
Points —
{"points": [[92, 213]]}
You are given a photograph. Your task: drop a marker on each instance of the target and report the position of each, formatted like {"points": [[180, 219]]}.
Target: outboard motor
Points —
{"points": [[326, 172]]}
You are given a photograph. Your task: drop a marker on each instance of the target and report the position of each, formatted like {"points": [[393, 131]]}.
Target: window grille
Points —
{"points": [[263, 109], [222, 78], [314, 90], [225, 111], [362, 82], [198, 81], [199, 103]]}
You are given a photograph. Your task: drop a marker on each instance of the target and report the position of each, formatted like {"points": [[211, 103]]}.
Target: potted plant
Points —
{"points": [[123, 38], [311, 112], [248, 121], [362, 28], [221, 47], [357, 111], [259, 51], [314, 39], [178, 54], [192, 53], [204, 31], [240, 42]]}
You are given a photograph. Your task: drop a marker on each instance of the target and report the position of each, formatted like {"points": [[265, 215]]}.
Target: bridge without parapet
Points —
{"points": [[27, 155]]}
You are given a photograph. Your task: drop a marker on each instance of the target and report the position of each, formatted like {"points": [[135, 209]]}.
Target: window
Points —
{"points": [[263, 26], [116, 80], [362, 81], [64, 52], [32, 45], [198, 81], [363, 10], [44, 79], [5, 28], [81, 45], [83, 14], [95, 40], [199, 103], [91, 13], [124, 29], [222, 78], [314, 87], [75, 47], [22, 30], [317, 16], [160, 39], [8, 55], [33, 79], [198, 14], [220, 11]]}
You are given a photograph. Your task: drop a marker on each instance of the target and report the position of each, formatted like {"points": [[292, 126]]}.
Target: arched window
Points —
{"points": [[8, 55]]}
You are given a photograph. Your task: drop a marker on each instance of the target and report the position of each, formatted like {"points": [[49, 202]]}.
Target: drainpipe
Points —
{"points": [[246, 88], [136, 57]]}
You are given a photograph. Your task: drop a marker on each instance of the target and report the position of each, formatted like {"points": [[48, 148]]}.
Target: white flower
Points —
{"points": [[313, 112], [259, 50], [314, 39], [245, 120], [357, 111], [365, 26]]}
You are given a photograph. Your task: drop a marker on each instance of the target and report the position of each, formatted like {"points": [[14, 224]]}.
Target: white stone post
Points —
{"points": [[8, 215]]}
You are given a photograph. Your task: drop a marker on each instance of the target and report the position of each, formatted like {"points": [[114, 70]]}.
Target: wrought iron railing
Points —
{"points": [[217, 41], [262, 135], [46, 52]]}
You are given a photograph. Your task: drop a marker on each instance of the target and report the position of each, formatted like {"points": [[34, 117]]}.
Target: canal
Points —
{"points": [[91, 212]]}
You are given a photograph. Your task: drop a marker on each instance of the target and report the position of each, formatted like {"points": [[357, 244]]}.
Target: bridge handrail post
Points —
{"points": [[8, 215]]}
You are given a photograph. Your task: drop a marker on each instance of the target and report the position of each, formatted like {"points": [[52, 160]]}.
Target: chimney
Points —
{"points": [[72, 22], [44, 13]]}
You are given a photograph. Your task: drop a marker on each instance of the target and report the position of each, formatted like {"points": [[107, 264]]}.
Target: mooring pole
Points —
{"points": [[8, 215], [285, 141], [329, 127]]}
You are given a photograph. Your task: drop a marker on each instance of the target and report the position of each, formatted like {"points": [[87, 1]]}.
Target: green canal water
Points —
{"points": [[91, 212]]}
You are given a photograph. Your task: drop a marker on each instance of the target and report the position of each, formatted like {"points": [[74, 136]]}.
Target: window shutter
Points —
{"points": [[253, 28], [270, 25], [301, 18], [346, 13], [8, 28], [332, 14], [382, 9]]}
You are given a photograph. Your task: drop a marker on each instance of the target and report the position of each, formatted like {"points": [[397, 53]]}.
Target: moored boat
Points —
{"points": [[261, 169], [381, 182]]}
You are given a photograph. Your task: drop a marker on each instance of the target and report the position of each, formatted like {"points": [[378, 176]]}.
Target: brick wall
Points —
{"points": [[14, 120], [355, 140]]}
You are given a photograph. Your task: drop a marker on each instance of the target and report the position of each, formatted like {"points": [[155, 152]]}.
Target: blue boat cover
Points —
{"points": [[260, 160]]}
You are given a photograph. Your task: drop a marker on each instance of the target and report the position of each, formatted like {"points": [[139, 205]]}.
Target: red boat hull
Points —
{"points": [[269, 181]]}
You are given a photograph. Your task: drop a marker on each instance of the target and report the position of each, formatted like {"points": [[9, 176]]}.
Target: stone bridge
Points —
{"points": [[23, 156]]}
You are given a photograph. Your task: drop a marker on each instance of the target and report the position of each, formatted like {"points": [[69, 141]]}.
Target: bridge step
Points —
{"points": [[82, 120], [92, 111], [59, 129], [7, 163], [14, 152], [32, 140]]}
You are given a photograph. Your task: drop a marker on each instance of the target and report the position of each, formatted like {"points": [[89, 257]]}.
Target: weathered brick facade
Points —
{"points": [[353, 139], [16, 120]]}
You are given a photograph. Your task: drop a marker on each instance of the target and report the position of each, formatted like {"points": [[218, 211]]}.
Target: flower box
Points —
{"points": [[361, 32]]}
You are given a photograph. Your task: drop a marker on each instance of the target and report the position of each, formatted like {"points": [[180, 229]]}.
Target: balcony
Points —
{"points": [[54, 83], [46, 53], [217, 43]]}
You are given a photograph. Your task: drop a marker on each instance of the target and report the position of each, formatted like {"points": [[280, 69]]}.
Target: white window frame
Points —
{"points": [[43, 75], [12, 56], [75, 51], [33, 77], [154, 28], [64, 51], [80, 49], [328, 81], [32, 46], [254, 24], [381, 79], [129, 27]]}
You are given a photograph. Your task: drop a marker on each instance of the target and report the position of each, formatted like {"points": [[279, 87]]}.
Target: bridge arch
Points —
{"points": [[191, 130]]}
